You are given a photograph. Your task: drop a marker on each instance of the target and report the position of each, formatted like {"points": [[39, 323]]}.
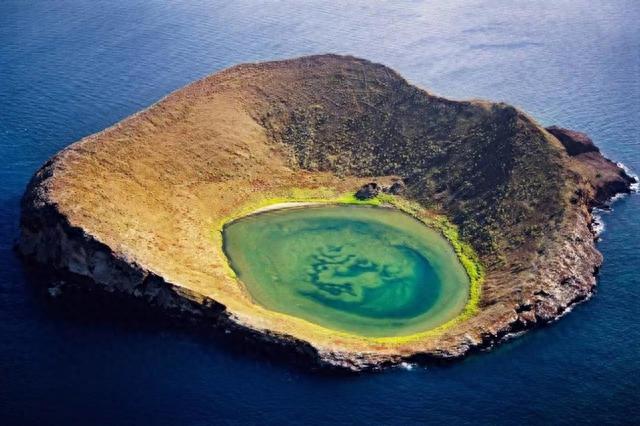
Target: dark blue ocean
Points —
{"points": [[71, 68]]}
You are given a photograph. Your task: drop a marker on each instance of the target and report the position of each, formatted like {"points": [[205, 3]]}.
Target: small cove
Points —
{"points": [[364, 270]]}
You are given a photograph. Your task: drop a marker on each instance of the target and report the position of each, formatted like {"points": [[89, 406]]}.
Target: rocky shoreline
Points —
{"points": [[561, 275], [610, 180]]}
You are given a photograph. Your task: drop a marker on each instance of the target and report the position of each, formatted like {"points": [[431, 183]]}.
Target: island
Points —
{"points": [[149, 207]]}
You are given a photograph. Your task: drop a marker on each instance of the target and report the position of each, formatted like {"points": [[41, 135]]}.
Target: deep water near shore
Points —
{"points": [[67, 70]]}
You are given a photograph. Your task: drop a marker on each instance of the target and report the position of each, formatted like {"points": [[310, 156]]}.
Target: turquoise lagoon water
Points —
{"points": [[370, 271], [68, 69]]}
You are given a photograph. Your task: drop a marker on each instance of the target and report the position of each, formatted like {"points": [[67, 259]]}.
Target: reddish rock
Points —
{"points": [[574, 142], [609, 179], [604, 176]]}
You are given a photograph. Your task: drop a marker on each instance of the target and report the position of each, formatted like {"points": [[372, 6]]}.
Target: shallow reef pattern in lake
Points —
{"points": [[365, 270]]}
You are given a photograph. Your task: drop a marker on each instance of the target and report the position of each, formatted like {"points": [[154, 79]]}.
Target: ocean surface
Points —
{"points": [[71, 68]]}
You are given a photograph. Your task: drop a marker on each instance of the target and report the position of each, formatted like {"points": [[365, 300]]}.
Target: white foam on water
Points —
{"points": [[511, 336], [597, 224], [635, 187], [407, 366]]}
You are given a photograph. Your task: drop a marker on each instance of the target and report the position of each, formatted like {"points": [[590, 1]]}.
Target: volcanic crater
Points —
{"points": [[141, 208]]}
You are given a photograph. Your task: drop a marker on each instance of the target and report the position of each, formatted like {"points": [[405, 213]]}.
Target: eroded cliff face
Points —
{"points": [[604, 178], [132, 209], [47, 237]]}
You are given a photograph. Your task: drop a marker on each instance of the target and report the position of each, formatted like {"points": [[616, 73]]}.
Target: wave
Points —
{"points": [[406, 366], [597, 224], [635, 187]]}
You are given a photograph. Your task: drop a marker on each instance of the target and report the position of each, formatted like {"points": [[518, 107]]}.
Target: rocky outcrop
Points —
{"points": [[574, 142], [396, 188], [368, 191], [605, 177], [131, 210], [373, 189]]}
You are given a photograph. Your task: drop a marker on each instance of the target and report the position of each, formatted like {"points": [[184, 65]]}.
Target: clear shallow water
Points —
{"points": [[369, 271], [68, 69]]}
